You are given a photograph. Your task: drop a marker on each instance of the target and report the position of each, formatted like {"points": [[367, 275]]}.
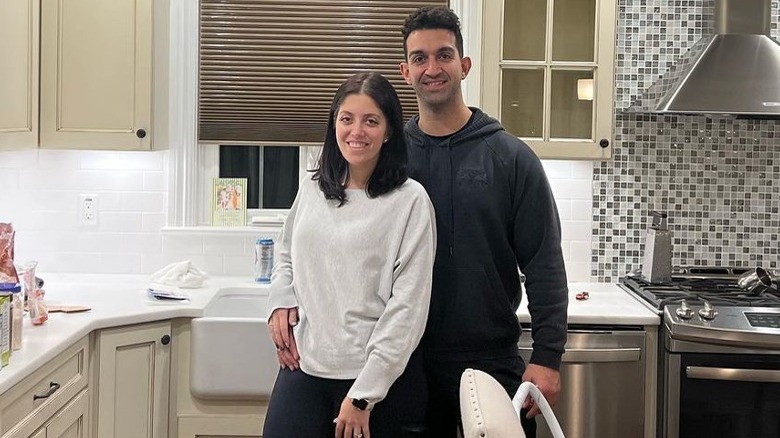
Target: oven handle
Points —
{"points": [[733, 374], [596, 354]]}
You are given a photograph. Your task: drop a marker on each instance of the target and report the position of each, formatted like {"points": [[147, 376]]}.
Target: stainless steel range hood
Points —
{"points": [[734, 72]]}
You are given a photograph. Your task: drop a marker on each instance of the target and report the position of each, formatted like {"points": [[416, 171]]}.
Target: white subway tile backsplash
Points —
{"points": [[564, 208], [9, 179], [575, 230], [57, 159], [182, 244], [153, 222], [155, 181], [228, 245], [141, 243], [20, 160], [571, 189], [110, 180], [582, 210], [143, 201], [119, 221], [112, 160], [557, 169]]}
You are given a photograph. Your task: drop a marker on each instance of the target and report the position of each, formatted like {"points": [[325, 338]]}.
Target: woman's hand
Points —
{"points": [[352, 422], [280, 328]]}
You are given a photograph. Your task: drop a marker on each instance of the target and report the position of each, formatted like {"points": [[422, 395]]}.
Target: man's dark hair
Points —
{"points": [[433, 17], [390, 172]]}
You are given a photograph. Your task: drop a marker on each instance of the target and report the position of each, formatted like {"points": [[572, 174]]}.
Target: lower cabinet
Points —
{"points": [[209, 426], [133, 381], [53, 401], [70, 422]]}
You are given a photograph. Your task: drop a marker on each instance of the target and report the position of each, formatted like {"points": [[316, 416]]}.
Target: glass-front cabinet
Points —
{"points": [[548, 73]]}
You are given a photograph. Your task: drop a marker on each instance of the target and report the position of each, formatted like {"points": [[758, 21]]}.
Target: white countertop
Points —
{"points": [[121, 300], [608, 304]]}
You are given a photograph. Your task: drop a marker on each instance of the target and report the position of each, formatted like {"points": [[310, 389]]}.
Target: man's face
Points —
{"points": [[434, 68]]}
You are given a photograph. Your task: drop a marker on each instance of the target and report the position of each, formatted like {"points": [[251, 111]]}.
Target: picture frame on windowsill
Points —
{"points": [[228, 202]]}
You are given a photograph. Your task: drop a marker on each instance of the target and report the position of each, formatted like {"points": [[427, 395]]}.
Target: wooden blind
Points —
{"points": [[269, 69]]}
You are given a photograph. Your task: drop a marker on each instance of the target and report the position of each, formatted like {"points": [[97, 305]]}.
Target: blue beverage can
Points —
{"points": [[264, 260]]}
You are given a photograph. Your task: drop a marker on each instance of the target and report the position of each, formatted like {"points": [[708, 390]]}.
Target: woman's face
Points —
{"points": [[361, 129]]}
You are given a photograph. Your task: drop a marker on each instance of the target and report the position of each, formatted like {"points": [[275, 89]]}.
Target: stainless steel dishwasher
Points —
{"points": [[604, 383]]}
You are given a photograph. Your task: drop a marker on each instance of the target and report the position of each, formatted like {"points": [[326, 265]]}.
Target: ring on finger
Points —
{"points": [[357, 435]]}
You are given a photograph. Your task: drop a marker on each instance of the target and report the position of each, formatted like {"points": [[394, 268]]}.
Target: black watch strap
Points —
{"points": [[360, 403]]}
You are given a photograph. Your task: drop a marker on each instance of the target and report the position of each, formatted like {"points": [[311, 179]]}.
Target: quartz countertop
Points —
{"points": [[118, 300]]}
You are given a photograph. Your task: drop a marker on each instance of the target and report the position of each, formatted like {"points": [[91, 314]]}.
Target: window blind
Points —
{"points": [[269, 69]]}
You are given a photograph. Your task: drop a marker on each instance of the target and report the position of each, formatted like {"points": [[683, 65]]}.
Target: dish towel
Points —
{"points": [[180, 274]]}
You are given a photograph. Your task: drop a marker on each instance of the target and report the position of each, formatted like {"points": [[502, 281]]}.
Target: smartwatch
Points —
{"points": [[360, 403]]}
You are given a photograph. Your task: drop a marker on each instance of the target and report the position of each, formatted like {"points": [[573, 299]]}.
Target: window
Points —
{"points": [[273, 174]]}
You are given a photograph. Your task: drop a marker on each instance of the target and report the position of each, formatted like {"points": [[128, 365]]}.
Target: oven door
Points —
{"points": [[722, 395]]}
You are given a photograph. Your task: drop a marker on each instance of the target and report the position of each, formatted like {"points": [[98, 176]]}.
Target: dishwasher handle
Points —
{"points": [[579, 355]]}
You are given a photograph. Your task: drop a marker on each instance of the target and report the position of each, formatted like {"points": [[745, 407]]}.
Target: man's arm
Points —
{"points": [[537, 244]]}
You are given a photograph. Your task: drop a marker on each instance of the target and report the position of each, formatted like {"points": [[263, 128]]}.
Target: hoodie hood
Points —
{"points": [[734, 72], [479, 125]]}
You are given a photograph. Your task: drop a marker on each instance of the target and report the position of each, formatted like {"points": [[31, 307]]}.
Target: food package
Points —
{"points": [[8, 273], [5, 328]]}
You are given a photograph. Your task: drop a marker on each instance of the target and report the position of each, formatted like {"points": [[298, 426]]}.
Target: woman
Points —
{"points": [[355, 260]]}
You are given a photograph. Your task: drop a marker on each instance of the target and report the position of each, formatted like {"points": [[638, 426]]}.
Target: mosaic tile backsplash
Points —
{"points": [[718, 177]]}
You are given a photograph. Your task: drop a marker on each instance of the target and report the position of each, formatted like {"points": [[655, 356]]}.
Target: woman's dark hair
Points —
{"points": [[333, 171], [433, 17]]}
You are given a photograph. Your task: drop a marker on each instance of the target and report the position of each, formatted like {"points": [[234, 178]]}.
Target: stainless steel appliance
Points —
{"points": [[604, 374], [719, 367]]}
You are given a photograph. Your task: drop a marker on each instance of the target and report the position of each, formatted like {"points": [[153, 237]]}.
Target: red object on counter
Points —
{"points": [[582, 296]]}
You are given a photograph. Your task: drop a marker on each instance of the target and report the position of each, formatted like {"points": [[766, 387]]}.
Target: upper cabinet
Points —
{"points": [[103, 74], [548, 73], [19, 43]]}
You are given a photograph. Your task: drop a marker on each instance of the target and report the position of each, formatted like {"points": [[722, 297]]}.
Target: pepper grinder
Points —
{"points": [[657, 266]]}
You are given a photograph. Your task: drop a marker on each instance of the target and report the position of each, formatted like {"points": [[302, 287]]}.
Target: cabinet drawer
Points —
{"points": [[28, 404]]}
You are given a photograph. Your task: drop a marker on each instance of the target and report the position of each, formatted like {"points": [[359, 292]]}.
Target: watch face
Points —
{"points": [[360, 403]]}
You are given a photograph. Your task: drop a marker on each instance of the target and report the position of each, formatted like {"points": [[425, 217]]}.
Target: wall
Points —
{"points": [[40, 195], [719, 178]]}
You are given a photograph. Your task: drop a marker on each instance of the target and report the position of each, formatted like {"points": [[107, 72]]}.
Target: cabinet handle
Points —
{"points": [[53, 387], [604, 143], [141, 133], [166, 339]]}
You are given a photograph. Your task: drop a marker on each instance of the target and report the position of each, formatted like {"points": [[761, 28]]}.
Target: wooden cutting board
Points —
{"points": [[68, 309]]}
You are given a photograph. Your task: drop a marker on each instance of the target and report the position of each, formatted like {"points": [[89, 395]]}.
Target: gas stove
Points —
{"points": [[697, 285], [707, 305]]}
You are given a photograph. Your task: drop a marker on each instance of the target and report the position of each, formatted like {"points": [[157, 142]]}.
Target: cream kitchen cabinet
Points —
{"points": [[53, 401], [19, 50], [70, 422], [132, 381], [548, 73], [103, 74]]}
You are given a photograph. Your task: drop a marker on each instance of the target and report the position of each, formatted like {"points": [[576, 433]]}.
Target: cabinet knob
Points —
{"points": [[604, 143], [141, 133], [166, 339]]}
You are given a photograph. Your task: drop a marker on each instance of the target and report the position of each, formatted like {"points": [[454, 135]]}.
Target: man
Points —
{"points": [[495, 213]]}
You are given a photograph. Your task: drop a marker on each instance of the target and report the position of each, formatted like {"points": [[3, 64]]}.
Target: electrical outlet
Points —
{"points": [[88, 209]]}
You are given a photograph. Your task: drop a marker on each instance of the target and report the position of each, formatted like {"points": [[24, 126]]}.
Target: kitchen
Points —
{"points": [[717, 176]]}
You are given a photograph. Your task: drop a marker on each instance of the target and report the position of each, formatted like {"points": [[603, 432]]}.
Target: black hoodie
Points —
{"points": [[494, 213]]}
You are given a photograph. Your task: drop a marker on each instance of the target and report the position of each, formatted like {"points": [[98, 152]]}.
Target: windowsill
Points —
{"points": [[206, 230]]}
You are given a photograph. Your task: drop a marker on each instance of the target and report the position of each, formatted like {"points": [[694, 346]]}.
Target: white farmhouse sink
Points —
{"points": [[231, 354]]}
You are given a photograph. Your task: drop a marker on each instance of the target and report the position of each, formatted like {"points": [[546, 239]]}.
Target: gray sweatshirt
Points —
{"points": [[360, 275]]}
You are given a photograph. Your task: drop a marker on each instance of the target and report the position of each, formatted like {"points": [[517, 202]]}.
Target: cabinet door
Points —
{"points": [[548, 73], [96, 74], [133, 381], [19, 85], [71, 421]]}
